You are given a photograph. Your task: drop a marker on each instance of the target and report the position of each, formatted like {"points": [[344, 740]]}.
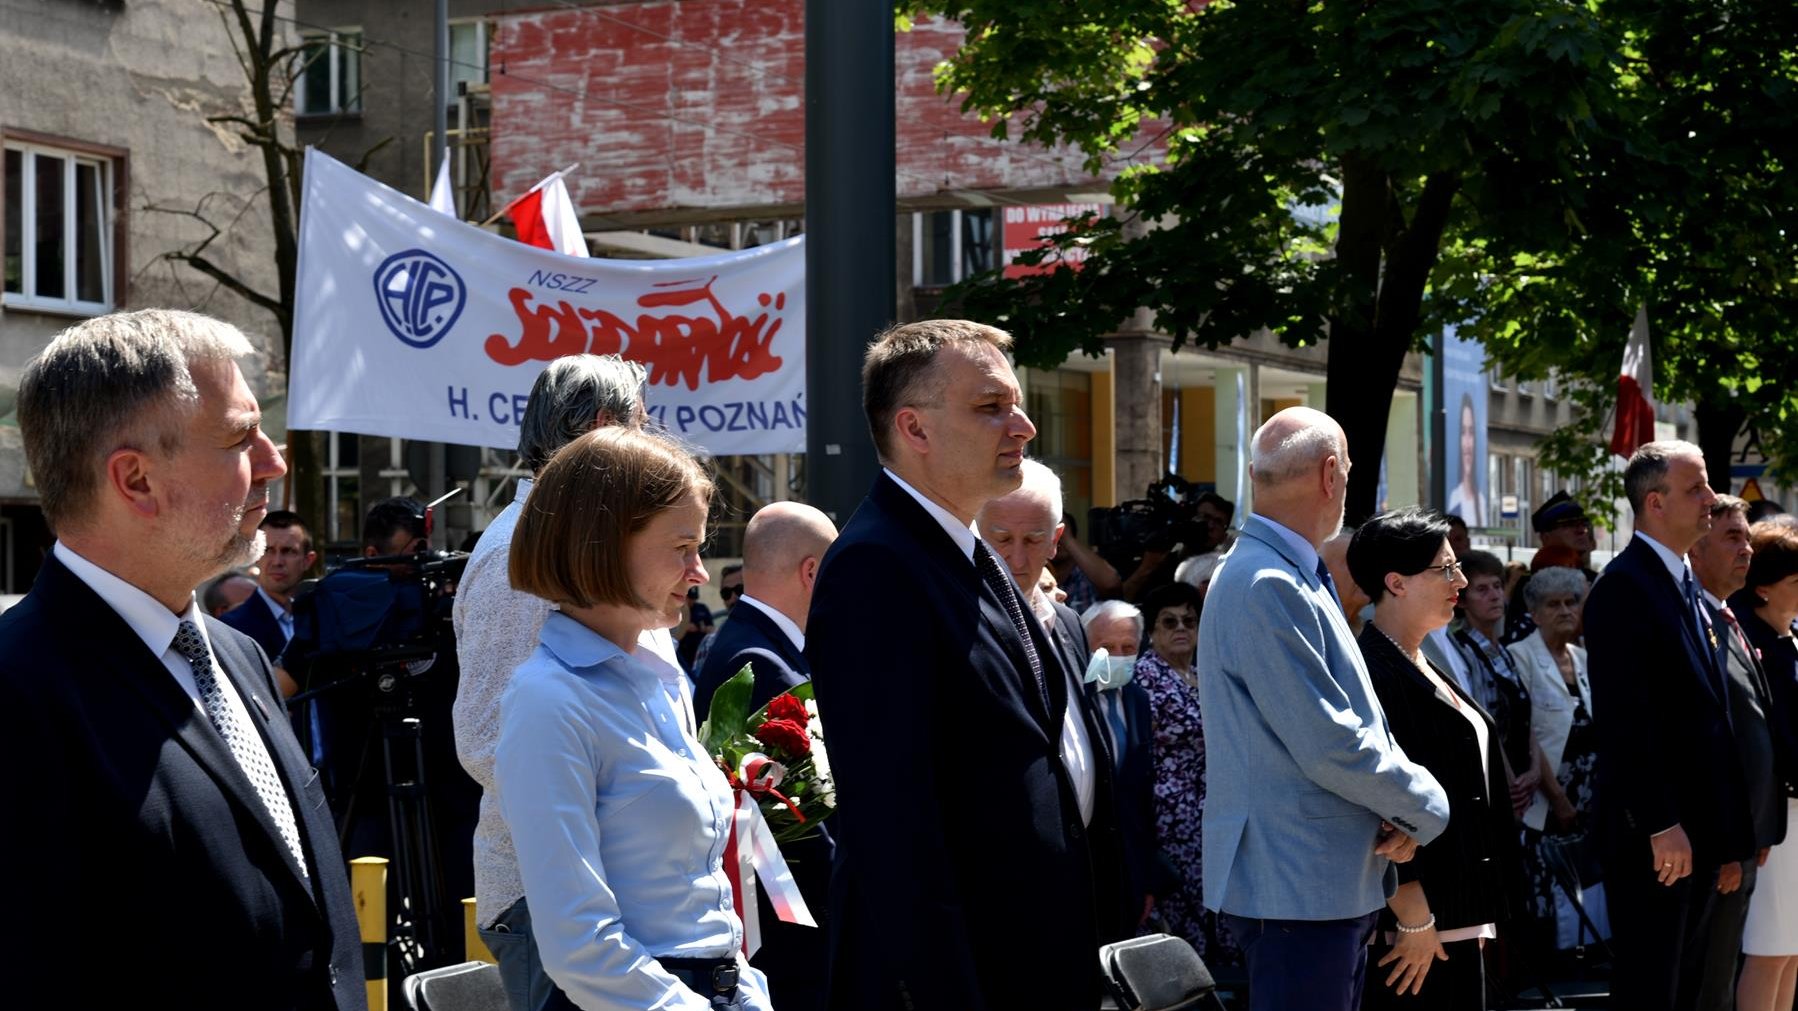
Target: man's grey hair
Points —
{"points": [[1554, 581], [1647, 470], [108, 383], [1275, 462], [1045, 484], [1112, 609], [568, 398]]}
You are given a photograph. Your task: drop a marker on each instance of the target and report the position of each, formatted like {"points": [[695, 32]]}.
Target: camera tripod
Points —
{"points": [[421, 922]]}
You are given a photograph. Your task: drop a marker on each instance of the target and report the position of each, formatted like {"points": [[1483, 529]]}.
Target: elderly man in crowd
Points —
{"points": [[1720, 561], [227, 592], [1114, 630], [496, 630], [158, 792], [1309, 800], [1672, 801], [1024, 529]]}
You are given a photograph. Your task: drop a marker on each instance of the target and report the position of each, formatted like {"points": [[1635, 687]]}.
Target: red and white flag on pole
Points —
{"points": [[1635, 392], [546, 218]]}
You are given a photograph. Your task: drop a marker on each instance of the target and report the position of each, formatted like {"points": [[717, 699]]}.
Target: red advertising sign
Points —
{"points": [[1029, 227]]}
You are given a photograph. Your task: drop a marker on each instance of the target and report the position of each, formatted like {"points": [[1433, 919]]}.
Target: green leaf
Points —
{"points": [[729, 711]]}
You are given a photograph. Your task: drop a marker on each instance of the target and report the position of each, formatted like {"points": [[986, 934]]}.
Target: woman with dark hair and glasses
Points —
{"points": [[1165, 671], [1452, 895]]}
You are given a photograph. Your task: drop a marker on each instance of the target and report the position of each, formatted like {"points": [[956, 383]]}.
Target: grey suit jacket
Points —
{"points": [[1300, 768]]}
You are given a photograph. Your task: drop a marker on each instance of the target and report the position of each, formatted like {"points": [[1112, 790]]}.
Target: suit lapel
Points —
{"points": [[937, 546], [1702, 657], [115, 650]]}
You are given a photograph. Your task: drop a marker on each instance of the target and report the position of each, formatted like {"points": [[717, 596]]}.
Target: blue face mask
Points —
{"points": [[1111, 672]]}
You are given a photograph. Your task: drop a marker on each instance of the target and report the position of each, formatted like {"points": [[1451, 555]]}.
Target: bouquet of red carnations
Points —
{"points": [[775, 754]]}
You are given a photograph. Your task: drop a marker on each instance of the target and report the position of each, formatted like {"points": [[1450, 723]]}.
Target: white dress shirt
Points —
{"points": [[155, 624], [781, 621]]}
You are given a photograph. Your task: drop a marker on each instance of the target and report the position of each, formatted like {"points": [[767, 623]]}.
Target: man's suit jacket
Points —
{"points": [[254, 619], [142, 865], [777, 663], [1300, 765], [1751, 698], [963, 878], [1666, 754]]}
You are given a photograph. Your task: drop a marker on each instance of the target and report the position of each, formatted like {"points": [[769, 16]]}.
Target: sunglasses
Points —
{"points": [[727, 592], [1169, 623]]}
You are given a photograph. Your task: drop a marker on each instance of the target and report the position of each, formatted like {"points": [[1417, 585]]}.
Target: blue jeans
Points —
{"points": [[1314, 965], [528, 987]]}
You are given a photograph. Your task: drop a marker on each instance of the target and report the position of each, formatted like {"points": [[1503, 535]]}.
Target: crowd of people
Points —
{"points": [[1370, 767]]}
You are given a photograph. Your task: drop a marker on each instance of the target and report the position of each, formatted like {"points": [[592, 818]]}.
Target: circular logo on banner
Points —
{"points": [[420, 296]]}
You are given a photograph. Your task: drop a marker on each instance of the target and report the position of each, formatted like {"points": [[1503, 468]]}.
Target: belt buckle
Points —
{"points": [[724, 978]]}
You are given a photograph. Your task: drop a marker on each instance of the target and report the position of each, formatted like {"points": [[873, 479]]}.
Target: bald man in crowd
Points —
{"points": [[782, 548], [1309, 799]]}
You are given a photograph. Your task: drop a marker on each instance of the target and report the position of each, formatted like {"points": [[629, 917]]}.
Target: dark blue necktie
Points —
{"points": [[1707, 639], [1323, 576]]}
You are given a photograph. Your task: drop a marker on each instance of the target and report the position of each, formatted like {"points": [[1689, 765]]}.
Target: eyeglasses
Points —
{"points": [[1451, 571], [1169, 622]]}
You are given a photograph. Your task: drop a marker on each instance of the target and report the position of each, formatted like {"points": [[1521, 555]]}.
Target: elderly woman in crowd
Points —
{"points": [[1452, 894], [1766, 609], [1165, 671], [618, 814], [1554, 668]]}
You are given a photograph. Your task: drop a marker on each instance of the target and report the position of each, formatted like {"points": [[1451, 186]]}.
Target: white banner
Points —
{"points": [[411, 324]]}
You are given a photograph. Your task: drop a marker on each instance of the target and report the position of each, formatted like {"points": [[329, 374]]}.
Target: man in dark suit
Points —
{"points": [[1024, 529], [267, 616], [157, 787], [783, 546], [963, 877], [1671, 797], [1720, 563]]}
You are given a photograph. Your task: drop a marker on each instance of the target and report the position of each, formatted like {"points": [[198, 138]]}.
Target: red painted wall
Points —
{"points": [[629, 91]]}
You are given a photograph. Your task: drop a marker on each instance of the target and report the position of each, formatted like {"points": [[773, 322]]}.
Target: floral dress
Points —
{"points": [[1179, 760]]}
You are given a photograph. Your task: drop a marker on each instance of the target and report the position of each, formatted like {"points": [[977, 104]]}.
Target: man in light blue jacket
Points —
{"points": [[1309, 800]]}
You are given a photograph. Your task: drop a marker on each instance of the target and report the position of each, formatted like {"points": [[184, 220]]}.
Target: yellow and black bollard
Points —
{"points": [[368, 883], [473, 948]]}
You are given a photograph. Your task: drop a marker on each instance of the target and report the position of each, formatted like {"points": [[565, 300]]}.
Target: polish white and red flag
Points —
{"points": [[545, 217], [1635, 392]]}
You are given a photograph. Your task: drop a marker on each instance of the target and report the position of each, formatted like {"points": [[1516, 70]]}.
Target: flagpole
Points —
{"points": [[545, 181]]}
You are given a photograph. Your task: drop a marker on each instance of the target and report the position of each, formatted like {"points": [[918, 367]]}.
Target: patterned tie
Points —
{"points": [[999, 581], [232, 721]]}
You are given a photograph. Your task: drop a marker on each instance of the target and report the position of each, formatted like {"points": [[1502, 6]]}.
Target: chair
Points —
{"points": [[470, 986], [1158, 973]]}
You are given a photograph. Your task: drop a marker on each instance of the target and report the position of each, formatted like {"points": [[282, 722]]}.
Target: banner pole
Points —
{"points": [[552, 177]]}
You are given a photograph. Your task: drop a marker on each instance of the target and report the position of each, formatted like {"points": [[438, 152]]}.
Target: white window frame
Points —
{"points": [[483, 42], [27, 297], [336, 45]]}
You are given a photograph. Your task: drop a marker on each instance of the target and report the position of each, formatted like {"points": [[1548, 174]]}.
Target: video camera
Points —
{"points": [[387, 613], [1164, 519]]}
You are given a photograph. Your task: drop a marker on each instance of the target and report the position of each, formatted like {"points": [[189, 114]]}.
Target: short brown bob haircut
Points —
{"points": [[899, 369], [1775, 553], [586, 504]]}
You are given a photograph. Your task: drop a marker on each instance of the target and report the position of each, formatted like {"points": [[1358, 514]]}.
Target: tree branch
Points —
{"points": [[219, 274]]}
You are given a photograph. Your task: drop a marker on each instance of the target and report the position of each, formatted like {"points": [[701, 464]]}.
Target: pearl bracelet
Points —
{"points": [[1420, 928]]}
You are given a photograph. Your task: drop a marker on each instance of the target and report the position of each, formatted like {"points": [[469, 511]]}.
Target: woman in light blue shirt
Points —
{"points": [[619, 816]]}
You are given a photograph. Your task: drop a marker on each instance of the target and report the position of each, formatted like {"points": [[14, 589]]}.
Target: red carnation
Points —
{"points": [[786, 707], [785, 735]]}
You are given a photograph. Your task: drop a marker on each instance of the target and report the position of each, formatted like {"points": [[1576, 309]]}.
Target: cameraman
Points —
{"points": [[354, 696], [1201, 531]]}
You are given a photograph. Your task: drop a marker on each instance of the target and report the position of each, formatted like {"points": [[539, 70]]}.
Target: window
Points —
{"points": [[468, 56], [950, 246], [330, 74], [59, 229]]}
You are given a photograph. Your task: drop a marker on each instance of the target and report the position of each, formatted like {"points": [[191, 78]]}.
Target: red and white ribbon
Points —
{"points": [[751, 852]]}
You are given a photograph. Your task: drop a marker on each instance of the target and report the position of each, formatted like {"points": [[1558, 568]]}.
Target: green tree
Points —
{"points": [[1319, 158], [1695, 219]]}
